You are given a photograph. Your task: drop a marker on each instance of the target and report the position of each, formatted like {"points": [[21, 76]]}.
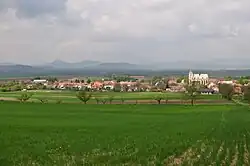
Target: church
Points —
{"points": [[200, 78]]}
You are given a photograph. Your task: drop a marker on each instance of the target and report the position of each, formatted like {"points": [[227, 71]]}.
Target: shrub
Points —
{"points": [[84, 96], [43, 100], [25, 97]]}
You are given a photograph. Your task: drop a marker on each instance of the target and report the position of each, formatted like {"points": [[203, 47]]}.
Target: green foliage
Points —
{"points": [[89, 81], [227, 91], [98, 100], [104, 100], [228, 78], [25, 97], [246, 92], [59, 101], [159, 98], [117, 87], [84, 96], [110, 99], [192, 92], [122, 99], [243, 81], [43, 100]]}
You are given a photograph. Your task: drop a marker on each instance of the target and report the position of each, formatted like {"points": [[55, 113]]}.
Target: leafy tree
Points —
{"points": [[104, 100], [227, 91], [179, 80], [243, 81], [98, 100], [156, 79], [52, 79], [166, 99], [122, 100], [43, 100], [117, 87], [159, 98], [110, 99], [25, 97], [246, 92], [89, 81], [84, 96], [228, 78], [192, 92], [59, 101]]}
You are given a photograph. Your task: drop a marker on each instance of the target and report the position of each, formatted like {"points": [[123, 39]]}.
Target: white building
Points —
{"points": [[40, 81], [201, 78]]}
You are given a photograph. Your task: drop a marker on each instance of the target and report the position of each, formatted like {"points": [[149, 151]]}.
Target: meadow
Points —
{"points": [[70, 96], [77, 134]]}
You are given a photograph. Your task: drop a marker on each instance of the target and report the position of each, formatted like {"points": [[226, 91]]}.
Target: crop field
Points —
{"points": [[76, 134], [70, 97]]}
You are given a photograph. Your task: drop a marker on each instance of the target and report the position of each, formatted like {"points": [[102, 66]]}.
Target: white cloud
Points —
{"points": [[141, 31]]}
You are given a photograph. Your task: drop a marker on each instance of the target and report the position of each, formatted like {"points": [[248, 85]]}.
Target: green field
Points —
{"points": [[75, 134], [69, 96]]}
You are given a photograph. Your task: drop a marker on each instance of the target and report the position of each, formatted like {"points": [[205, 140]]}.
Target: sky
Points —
{"points": [[135, 31]]}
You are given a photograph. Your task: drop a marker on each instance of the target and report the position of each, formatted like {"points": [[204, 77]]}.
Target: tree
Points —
{"points": [[246, 92], [104, 100], [192, 92], [110, 99], [228, 78], [156, 79], [122, 100], [25, 97], [227, 91], [43, 100], [97, 100], [89, 81], [84, 96], [159, 98], [243, 81], [117, 87], [166, 99]]}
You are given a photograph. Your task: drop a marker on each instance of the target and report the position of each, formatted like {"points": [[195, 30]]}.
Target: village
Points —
{"points": [[124, 83]]}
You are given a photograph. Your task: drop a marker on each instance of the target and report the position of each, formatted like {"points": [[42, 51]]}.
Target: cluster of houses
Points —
{"points": [[211, 85]]}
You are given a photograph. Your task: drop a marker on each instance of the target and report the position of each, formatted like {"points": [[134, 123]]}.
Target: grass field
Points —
{"points": [[67, 96], [74, 134]]}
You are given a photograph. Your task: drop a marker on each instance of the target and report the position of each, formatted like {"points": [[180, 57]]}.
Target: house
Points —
{"points": [[137, 77], [207, 91], [97, 85], [200, 78], [109, 85], [40, 81]]}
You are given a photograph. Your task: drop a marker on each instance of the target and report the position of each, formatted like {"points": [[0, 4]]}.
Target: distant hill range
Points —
{"points": [[96, 68], [58, 64]]}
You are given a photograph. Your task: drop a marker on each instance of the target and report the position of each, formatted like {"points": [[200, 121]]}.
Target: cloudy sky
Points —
{"points": [[138, 31]]}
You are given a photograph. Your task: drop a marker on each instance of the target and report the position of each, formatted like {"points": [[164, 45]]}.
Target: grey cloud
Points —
{"points": [[34, 8], [124, 30]]}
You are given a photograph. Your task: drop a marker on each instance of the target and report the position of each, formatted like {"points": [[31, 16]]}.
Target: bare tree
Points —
{"points": [[84, 96]]}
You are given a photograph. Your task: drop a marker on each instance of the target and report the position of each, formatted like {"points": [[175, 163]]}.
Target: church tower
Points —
{"points": [[190, 76]]}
